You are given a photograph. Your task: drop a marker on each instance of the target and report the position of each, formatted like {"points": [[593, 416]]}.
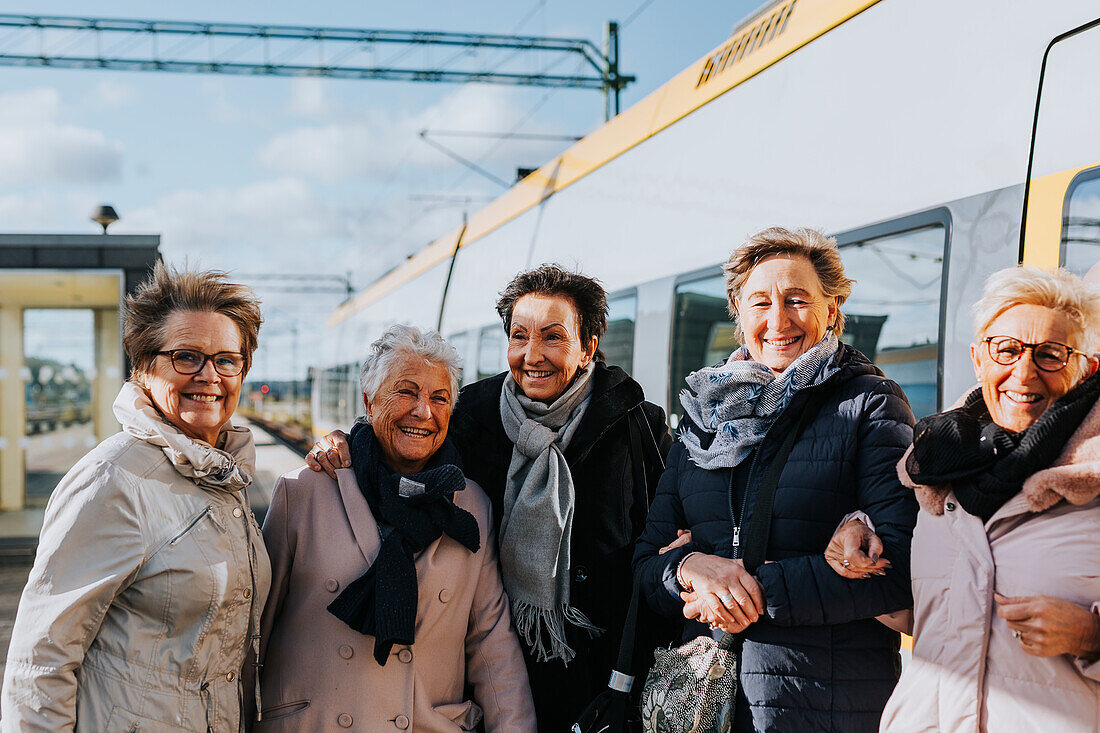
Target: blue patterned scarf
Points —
{"points": [[739, 400]]}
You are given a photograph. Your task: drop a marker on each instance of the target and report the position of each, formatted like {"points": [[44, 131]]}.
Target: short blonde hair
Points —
{"points": [[168, 290], [821, 251], [1061, 291]]}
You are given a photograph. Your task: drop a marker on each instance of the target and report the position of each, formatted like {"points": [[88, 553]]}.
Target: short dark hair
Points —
{"points": [[168, 290], [586, 293]]}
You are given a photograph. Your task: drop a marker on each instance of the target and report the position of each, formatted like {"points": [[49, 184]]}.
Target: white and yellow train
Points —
{"points": [[909, 129]]}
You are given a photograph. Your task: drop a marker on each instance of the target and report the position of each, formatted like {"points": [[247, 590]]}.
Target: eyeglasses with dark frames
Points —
{"points": [[1049, 356], [189, 361]]}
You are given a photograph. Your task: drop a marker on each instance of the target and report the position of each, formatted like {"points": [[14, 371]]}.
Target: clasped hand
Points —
{"points": [[720, 592]]}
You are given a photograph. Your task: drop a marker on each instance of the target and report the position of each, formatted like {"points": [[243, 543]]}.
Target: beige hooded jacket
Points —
{"points": [[150, 575], [968, 673]]}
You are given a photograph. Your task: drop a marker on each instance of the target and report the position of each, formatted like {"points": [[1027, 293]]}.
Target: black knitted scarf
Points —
{"points": [[412, 512], [985, 464]]}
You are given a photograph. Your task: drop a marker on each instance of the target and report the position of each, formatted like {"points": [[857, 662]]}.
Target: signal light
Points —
{"points": [[264, 389]]}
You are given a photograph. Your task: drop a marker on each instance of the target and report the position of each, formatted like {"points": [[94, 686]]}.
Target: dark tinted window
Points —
{"points": [[617, 344], [490, 351], [894, 312], [1081, 224]]}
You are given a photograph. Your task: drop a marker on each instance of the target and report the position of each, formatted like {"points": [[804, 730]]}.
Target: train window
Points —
{"points": [[893, 315], [490, 351], [464, 343], [336, 403], [702, 334], [617, 343], [1081, 223]]}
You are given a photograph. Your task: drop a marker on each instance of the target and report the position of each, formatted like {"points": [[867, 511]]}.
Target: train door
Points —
{"points": [[1062, 202]]}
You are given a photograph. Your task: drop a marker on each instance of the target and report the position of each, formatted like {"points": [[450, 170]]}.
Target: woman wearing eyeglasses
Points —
{"points": [[1006, 551], [145, 598]]}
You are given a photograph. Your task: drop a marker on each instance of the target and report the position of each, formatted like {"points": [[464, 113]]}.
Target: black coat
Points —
{"points": [[818, 660], [609, 514]]}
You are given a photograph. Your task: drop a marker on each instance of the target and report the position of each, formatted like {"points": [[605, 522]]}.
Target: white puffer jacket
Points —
{"points": [[150, 575], [968, 673]]}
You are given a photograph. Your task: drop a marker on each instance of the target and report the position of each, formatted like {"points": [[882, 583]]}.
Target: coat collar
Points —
{"points": [[1074, 476], [360, 517], [228, 468]]}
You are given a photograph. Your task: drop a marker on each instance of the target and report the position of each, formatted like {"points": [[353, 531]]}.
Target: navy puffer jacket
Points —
{"points": [[818, 661]]}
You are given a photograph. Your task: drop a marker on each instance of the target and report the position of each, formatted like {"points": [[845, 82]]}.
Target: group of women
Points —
{"points": [[464, 559]]}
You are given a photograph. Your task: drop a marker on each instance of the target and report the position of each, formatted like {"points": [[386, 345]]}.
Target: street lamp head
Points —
{"points": [[104, 215]]}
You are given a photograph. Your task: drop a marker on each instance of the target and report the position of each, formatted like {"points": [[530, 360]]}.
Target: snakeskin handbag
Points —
{"points": [[692, 688]]}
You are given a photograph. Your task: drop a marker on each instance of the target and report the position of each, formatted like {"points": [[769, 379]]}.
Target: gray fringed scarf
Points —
{"points": [[537, 523], [739, 400]]}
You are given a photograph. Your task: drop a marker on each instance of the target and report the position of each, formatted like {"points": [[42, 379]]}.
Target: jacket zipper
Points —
{"points": [[736, 519], [191, 524], [204, 692]]}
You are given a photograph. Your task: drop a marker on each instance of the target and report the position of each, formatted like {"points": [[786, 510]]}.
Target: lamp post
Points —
{"points": [[105, 216]]}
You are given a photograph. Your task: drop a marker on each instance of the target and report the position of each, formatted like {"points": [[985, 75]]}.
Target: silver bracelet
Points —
{"points": [[679, 568]]}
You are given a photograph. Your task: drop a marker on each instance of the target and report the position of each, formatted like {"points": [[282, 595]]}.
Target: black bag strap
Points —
{"points": [[760, 524], [630, 624]]}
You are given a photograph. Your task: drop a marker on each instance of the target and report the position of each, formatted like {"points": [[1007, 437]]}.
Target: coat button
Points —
{"points": [[344, 720], [950, 506], [247, 592], [332, 585], [445, 595], [230, 676], [580, 574], [402, 722], [346, 651], [405, 655], [237, 512]]}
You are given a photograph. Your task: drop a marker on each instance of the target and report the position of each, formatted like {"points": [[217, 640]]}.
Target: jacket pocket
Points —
{"points": [[191, 525], [466, 715], [283, 710], [124, 721]]}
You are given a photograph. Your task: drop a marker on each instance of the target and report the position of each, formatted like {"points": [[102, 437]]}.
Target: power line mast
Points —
{"points": [[280, 50]]}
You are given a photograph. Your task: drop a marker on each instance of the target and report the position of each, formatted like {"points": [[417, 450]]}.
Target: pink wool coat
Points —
{"points": [[968, 673], [320, 675]]}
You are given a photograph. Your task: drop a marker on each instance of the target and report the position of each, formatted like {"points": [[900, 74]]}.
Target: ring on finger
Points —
{"points": [[845, 563], [1018, 636], [725, 597]]}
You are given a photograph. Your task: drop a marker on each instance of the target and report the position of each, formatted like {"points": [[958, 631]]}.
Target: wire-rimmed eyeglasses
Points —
{"points": [[189, 361], [1049, 356]]}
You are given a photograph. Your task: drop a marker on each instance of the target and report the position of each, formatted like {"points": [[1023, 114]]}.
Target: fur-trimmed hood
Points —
{"points": [[1073, 477]]}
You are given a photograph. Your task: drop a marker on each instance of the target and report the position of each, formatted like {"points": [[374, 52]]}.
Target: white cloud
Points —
{"points": [[35, 146], [61, 153], [330, 153], [111, 94], [48, 211], [272, 225], [376, 146], [308, 98], [220, 105], [29, 106]]}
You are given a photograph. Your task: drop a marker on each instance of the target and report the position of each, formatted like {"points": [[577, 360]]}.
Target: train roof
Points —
{"points": [[775, 31]]}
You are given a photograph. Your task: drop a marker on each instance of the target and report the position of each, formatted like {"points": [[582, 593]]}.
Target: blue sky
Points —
{"points": [[276, 175]]}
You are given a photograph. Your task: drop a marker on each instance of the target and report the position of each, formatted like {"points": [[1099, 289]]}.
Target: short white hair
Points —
{"points": [[401, 339], [1061, 291]]}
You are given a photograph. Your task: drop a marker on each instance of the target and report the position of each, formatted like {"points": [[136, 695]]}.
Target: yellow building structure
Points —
{"points": [[54, 407]]}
